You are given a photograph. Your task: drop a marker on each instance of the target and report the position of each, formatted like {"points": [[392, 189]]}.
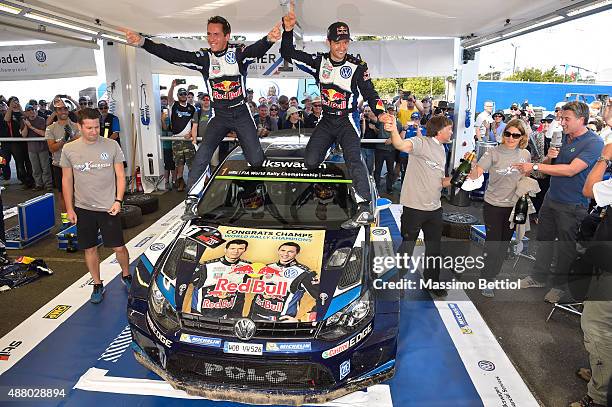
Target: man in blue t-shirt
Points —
{"points": [[564, 206]]}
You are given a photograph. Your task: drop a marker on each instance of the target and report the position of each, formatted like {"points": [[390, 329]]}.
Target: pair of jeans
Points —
{"points": [[557, 221], [387, 158], [41, 169]]}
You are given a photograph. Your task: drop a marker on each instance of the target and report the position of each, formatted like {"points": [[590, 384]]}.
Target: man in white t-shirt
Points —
{"points": [[484, 121]]}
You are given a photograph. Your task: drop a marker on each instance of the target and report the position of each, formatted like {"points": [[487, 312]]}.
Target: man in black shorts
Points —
{"points": [[94, 165]]}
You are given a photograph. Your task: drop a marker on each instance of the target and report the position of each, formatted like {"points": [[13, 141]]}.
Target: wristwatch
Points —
{"points": [[604, 159], [535, 167]]}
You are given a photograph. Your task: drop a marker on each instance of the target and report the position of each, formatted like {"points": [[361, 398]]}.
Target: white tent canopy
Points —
{"points": [[436, 18]]}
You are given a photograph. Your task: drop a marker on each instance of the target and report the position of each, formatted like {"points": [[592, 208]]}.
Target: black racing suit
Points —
{"points": [[340, 84], [299, 279], [225, 78]]}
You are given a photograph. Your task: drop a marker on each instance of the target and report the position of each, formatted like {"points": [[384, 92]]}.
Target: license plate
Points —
{"points": [[242, 348]]}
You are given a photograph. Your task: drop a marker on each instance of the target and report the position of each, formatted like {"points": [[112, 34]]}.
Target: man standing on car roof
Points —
{"points": [[341, 77], [224, 68]]}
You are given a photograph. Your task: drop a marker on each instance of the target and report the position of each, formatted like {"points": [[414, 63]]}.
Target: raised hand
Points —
{"points": [[132, 38], [289, 19], [275, 33]]}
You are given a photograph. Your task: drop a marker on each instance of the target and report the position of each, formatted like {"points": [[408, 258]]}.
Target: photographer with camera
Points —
{"points": [[14, 118], [406, 105]]}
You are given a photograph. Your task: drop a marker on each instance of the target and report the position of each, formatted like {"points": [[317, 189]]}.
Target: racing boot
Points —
{"points": [[191, 208], [363, 216]]}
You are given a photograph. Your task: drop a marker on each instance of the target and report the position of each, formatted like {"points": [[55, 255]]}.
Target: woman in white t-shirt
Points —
{"points": [[500, 194]]}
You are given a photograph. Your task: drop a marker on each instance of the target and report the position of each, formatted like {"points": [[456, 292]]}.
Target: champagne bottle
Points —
{"points": [[462, 172], [520, 210]]}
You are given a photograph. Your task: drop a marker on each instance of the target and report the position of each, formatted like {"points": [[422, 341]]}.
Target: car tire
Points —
{"points": [[146, 202], [457, 225], [131, 216]]}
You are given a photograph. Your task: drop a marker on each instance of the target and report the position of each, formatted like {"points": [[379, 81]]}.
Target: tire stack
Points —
{"points": [[136, 205]]}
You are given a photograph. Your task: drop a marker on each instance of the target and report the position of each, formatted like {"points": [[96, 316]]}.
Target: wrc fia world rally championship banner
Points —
{"points": [[48, 61]]}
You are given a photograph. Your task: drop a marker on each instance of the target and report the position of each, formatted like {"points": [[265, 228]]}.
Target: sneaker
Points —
{"points": [[554, 295], [530, 282], [488, 292], [180, 184], [586, 401], [97, 294], [127, 281], [440, 293], [362, 217]]}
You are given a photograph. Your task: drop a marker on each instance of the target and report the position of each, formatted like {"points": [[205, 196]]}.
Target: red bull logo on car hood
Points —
{"points": [[251, 286]]}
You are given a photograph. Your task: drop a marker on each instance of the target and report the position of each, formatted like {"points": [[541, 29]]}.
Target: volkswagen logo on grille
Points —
{"points": [[244, 329]]}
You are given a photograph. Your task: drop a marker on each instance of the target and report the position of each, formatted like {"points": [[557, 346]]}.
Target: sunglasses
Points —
{"points": [[515, 136], [498, 115], [182, 94], [103, 107], [317, 105], [83, 104], [274, 110], [546, 121]]}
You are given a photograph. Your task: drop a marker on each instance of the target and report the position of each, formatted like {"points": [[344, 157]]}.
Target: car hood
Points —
{"points": [[278, 275]]}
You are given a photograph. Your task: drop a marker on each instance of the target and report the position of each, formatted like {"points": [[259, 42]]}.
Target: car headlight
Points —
{"points": [[349, 319], [163, 312]]}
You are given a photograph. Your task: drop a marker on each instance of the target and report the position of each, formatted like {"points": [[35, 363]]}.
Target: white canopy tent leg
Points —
{"points": [[467, 74], [128, 68]]}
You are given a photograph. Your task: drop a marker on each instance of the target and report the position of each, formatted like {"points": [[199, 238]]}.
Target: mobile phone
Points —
{"points": [[180, 81]]}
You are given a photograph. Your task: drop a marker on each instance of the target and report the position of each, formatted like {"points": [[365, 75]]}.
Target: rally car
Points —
{"points": [[263, 298]]}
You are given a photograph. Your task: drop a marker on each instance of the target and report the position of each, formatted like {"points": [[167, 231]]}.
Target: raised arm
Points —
{"points": [[197, 60], [288, 51]]}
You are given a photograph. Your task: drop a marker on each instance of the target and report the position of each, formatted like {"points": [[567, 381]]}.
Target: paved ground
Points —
{"points": [[545, 354]]}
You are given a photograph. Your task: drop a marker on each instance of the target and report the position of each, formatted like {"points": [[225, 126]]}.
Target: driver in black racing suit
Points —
{"points": [[300, 279], [341, 77], [224, 68]]}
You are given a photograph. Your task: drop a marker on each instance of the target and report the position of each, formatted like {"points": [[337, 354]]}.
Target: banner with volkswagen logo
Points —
{"points": [[47, 61]]}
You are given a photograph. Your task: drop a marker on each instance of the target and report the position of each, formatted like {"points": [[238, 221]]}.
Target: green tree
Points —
{"points": [[387, 87], [424, 86], [536, 75]]}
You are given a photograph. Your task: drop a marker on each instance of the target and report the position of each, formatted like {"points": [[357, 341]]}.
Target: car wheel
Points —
{"points": [[457, 225], [130, 216], [146, 202]]}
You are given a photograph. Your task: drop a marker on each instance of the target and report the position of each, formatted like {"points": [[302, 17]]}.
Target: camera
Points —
{"points": [[180, 81]]}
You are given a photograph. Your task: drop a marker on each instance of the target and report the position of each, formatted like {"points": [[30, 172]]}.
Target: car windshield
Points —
{"points": [[276, 203]]}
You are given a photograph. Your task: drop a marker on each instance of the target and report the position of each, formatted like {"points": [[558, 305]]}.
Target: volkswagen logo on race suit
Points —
{"points": [[346, 72], [230, 57], [244, 329]]}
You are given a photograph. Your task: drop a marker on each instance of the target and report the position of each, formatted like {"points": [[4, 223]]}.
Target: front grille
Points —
{"points": [[265, 330], [248, 373]]}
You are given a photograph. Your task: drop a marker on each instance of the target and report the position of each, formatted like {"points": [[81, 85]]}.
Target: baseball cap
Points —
{"points": [[181, 90], [338, 31], [305, 99], [32, 102], [28, 107], [42, 102], [102, 103], [499, 113], [550, 117], [292, 110], [415, 115], [316, 99], [83, 99]]}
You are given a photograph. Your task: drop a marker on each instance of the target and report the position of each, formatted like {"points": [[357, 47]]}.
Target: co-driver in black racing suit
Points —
{"points": [[340, 82], [224, 71]]}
